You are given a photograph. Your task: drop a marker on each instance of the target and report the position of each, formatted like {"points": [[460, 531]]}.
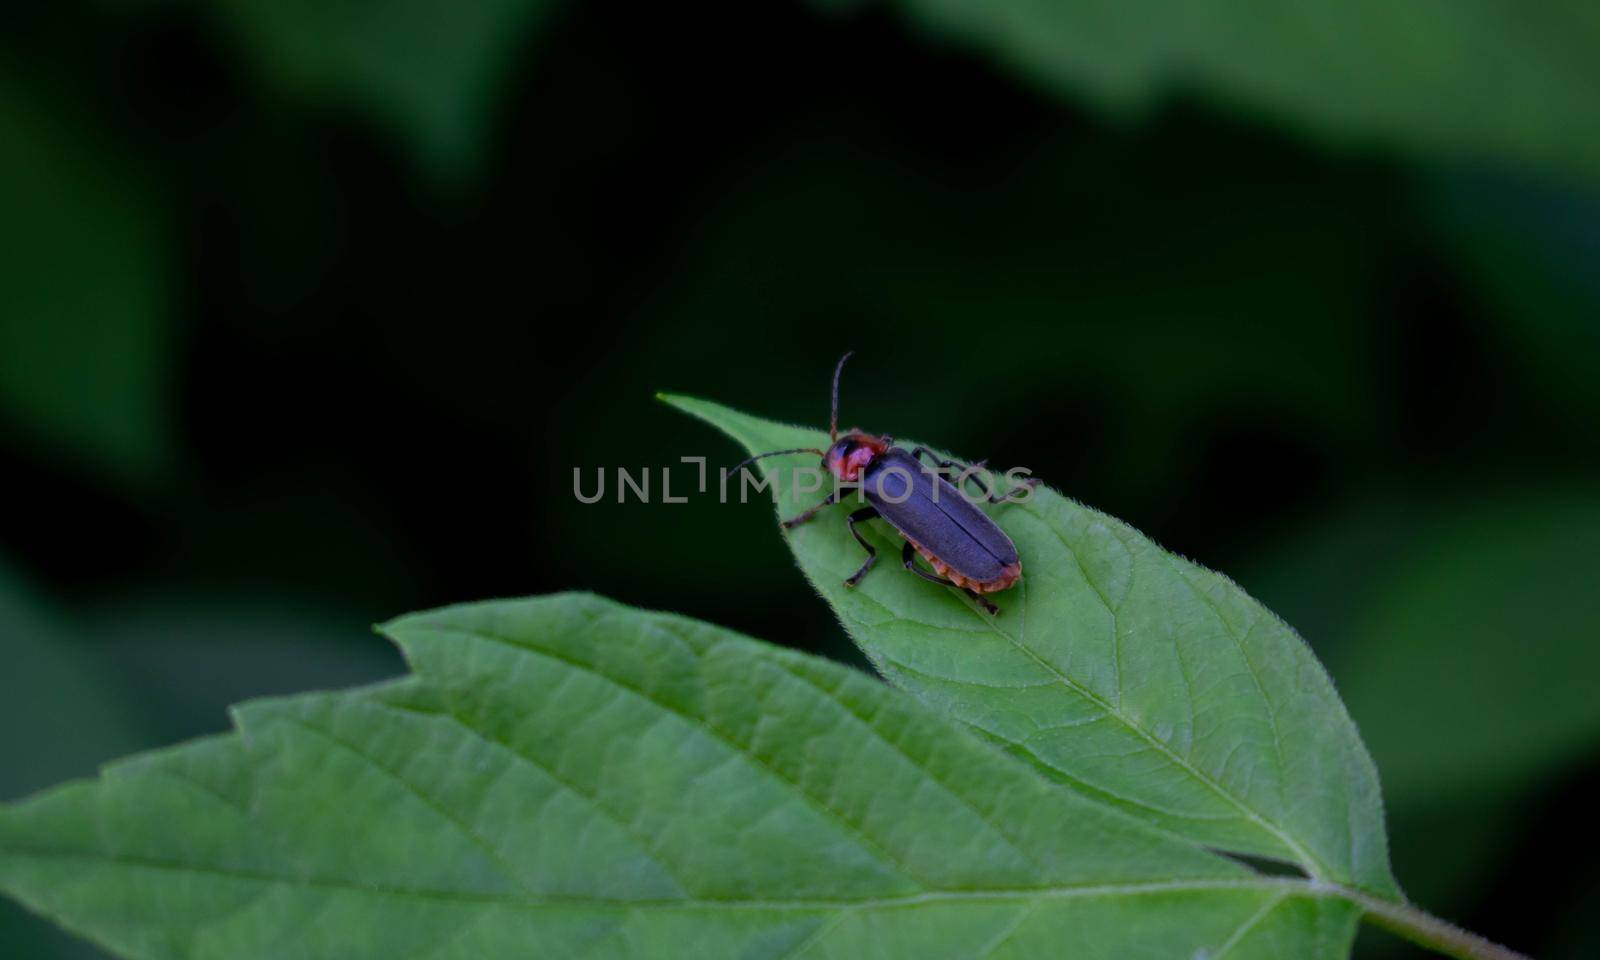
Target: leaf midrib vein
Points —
{"points": [[1308, 861], [1282, 887], [1312, 863], [1093, 792]]}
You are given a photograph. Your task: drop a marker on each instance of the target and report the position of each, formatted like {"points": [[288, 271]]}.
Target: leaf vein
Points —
{"points": [[868, 844]]}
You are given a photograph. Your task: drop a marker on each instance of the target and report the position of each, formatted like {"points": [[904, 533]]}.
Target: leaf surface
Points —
{"points": [[1131, 674], [567, 777]]}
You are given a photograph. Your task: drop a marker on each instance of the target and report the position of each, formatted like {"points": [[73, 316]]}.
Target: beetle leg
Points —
{"points": [[920, 452], [964, 471], [798, 519], [1027, 484], [908, 556], [1009, 495], [862, 515], [969, 471]]}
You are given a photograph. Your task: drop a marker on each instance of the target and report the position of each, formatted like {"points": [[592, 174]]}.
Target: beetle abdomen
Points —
{"points": [[1009, 574]]}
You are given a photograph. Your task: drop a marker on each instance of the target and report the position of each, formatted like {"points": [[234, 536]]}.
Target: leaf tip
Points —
{"points": [[679, 401]]}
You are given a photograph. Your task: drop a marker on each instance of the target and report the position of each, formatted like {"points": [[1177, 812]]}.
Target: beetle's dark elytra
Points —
{"points": [[957, 538]]}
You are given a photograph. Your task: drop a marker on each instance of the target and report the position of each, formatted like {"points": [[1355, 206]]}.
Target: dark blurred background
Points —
{"points": [[308, 310]]}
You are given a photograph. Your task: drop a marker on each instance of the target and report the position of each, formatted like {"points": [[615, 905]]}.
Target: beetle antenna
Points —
{"points": [[833, 422], [775, 453]]}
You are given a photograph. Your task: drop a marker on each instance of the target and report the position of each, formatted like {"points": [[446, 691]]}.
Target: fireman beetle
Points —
{"points": [[965, 548]]}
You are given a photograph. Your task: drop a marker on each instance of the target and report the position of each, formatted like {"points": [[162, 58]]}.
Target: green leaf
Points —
{"points": [[1471, 78], [567, 777], [1130, 674], [86, 326], [63, 711], [431, 69]]}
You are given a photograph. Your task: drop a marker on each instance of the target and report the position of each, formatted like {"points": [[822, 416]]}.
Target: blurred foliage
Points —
{"points": [[262, 380], [1454, 628], [1530, 247], [1470, 694], [63, 710], [432, 69], [86, 331], [1476, 78]]}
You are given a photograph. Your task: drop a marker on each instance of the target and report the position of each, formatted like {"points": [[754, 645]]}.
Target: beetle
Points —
{"points": [[963, 546]]}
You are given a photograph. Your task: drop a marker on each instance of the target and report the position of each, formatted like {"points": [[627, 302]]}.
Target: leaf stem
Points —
{"points": [[1425, 930]]}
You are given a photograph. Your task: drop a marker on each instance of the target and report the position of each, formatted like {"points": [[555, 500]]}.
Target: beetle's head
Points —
{"points": [[850, 453]]}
